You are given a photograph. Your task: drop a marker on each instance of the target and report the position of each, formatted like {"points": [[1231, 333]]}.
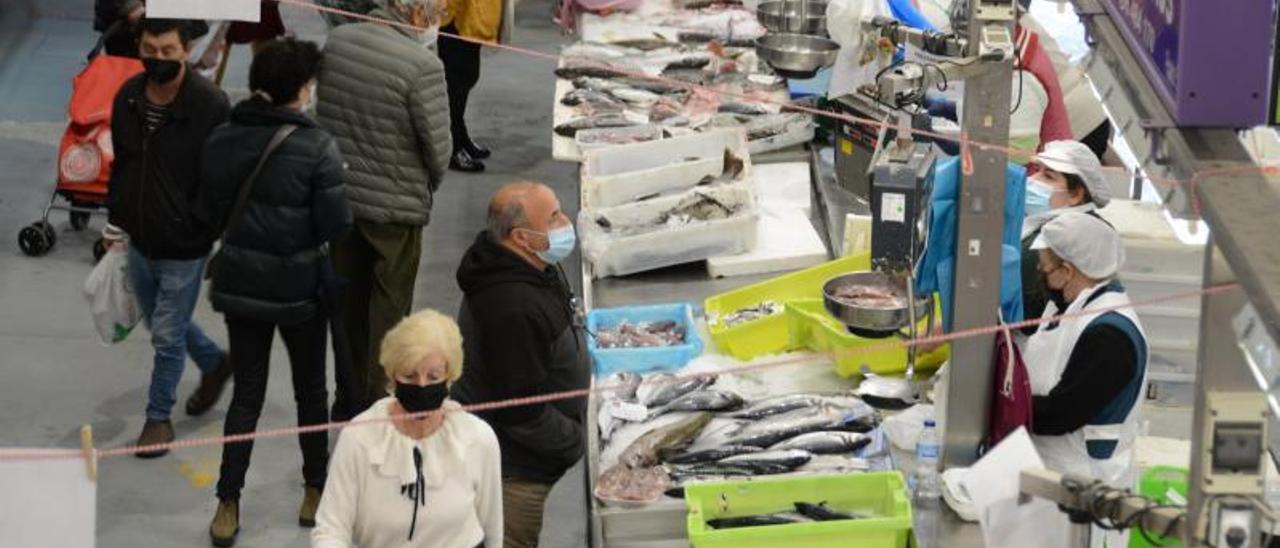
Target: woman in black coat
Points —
{"points": [[267, 274]]}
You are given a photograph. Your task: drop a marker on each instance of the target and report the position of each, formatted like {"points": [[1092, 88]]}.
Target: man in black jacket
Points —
{"points": [[520, 332], [160, 121]]}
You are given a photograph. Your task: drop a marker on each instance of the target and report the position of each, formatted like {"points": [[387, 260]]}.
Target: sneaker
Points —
{"points": [[310, 503], [226, 524], [211, 385], [154, 432]]}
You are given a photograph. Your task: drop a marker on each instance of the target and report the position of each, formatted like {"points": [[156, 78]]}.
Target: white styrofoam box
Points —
{"points": [[1147, 287], [785, 241], [611, 255], [616, 175], [857, 234], [783, 184], [1168, 323], [591, 139], [794, 135]]}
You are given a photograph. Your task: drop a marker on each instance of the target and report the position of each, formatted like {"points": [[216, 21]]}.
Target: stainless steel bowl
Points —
{"points": [[784, 16], [866, 320], [796, 55]]}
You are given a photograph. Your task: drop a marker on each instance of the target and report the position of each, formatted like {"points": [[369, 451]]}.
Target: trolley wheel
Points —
{"points": [[49, 232], [79, 220], [99, 250], [33, 241]]}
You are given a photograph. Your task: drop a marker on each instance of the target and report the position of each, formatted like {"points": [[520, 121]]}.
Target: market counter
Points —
{"points": [[663, 524]]}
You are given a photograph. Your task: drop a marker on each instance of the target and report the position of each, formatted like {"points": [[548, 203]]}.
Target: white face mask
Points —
{"points": [[429, 36]]}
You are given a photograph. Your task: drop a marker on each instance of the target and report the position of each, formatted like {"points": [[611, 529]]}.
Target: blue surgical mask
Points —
{"points": [[561, 241], [1038, 195]]}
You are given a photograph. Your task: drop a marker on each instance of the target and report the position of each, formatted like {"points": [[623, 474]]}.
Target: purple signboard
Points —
{"points": [[1209, 59]]}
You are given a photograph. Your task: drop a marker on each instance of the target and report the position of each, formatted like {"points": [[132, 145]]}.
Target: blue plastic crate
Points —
{"points": [[667, 358]]}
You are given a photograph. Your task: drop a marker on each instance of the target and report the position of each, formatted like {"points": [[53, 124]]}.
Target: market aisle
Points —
{"points": [[54, 376]]}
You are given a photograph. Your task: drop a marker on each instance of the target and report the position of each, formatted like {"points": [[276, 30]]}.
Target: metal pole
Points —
{"points": [[978, 256]]}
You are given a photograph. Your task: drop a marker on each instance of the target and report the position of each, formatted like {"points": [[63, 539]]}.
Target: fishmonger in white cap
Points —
{"points": [[1088, 367], [1069, 178]]}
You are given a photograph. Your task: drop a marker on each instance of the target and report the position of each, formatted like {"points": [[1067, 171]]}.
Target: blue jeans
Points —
{"points": [[167, 291]]}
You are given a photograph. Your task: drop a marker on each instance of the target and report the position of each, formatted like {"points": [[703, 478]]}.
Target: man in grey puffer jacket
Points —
{"points": [[382, 96]]}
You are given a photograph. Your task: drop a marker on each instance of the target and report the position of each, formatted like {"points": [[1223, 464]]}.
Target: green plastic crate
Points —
{"points": [[1157, 484], [881, 494], [815, 329], [769, 335]]}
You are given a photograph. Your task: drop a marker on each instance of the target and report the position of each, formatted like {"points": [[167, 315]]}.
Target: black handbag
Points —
{"points": [[242, 196]]}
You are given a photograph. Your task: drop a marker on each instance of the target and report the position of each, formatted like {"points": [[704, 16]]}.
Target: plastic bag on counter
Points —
{"points": [[692, 226], [903, 429]]}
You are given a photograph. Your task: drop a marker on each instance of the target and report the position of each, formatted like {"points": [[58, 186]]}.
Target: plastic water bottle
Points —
{"points": [[928, 449]]}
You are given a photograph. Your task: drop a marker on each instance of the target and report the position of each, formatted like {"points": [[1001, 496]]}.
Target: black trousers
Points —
{"points": [[461, 72], [250, 351]]}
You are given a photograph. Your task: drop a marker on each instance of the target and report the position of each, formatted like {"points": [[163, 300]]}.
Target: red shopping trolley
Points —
{"points": [[85, 154]]}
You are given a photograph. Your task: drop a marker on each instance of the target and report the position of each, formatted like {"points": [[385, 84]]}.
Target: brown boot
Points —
{"points": [[226, 524], [154, 432], [310, 503], [210, 389]]}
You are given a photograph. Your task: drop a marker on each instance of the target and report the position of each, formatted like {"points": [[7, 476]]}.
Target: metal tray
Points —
{"points": [[864, 320]]}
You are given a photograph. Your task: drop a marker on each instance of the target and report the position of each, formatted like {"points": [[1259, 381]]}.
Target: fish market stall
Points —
{"points": [[669, 68]]}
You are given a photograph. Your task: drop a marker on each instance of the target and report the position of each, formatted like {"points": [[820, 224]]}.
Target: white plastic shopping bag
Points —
{"points": [[111, 298]]}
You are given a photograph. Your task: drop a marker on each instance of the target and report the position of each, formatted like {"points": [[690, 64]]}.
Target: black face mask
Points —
{"points": [[417, 399], [161, 71]]}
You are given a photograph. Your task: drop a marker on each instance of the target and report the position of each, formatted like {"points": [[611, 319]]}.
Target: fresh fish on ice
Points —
{"points": [[698, 207], [790, 458], [597, 50], [577, 68], [701, 400], [711, 454], [751, 109], [663, 388], [640, 335], [584, 96], [822, 512], [609, 119], [825, 442], [619, 405], [654, 86], [777, 405], [685, 474], [647, 449], [748, 314], [768, 432], [645, 44], [634, 96], [624, 384]]}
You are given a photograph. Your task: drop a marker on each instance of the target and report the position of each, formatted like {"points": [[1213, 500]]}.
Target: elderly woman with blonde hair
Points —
{"points": [[415, 470]]}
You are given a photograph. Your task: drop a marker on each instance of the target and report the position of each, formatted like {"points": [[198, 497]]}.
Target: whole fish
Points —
{"points": [[655, 86], [645, 44], [683, 474], [664, 388], [825, 442], [769, 432], [576, 68], [624, 384], [634, 96], [591, 97], [821, 512], [711, 454], [702, 37], [609, 119], [693, 76], [776, 405], [673, 437], [755, 521], [791, 459], [701, 400]]}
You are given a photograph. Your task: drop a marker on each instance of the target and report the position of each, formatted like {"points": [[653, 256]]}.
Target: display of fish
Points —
{"points": [[698, 207], [776, 405], [685, 474], [789, 458], [645, 44], [656, 86], [577, 68], [597, 50], [663, 388], [640, 335], [756, 521], [692, 76], [711, 454], [638, 97], [703, 37], [608, 119], [769, 432], [623, 385], [701, 400], [748, 314], [825, 442], [648, 448]]}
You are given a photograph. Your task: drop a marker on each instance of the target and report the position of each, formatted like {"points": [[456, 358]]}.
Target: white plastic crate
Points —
{"points": [[614, 255], [619, 174]]}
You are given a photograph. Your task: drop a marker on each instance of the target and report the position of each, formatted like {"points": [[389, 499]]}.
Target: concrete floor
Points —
{"points": [[55, 376]]}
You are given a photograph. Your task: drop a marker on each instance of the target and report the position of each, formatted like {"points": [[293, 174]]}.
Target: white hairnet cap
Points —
{"points": [[1085, 241], [1075, 158]]}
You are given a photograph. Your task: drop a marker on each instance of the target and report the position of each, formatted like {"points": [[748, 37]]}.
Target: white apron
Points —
{"points": [[1046, 354]]}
